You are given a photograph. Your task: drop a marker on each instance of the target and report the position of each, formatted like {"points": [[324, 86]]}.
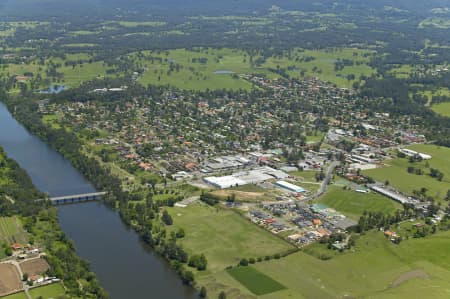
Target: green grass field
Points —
{"points": [[20, 295], [395, 172], [323, 65], [353, 204], [249, 188], [377, 269], [223, 236], [403, 71], [87, 71], [11, 230], [436, 92], [305, 175], [442, 109], [255, 281], [48, 292], [192, 74], [51, 119]]}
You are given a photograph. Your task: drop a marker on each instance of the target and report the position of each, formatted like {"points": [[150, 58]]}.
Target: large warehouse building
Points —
{"points": [[254, 176]]}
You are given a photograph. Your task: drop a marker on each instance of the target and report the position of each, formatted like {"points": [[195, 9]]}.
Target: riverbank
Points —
{"points": [[30, 231], [173, 288]]}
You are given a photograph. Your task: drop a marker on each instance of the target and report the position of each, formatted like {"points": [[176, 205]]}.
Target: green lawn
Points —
{"points": [[20, 295], [395, 172], [255, 281], [223, 236], [48, 292], [368, 272], [353, 204]]}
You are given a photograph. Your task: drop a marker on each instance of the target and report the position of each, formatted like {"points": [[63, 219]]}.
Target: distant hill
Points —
{"points": [[207, 7]]}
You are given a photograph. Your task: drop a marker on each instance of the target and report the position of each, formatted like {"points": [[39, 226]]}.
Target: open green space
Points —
{"points": [[220, 68], [11, 230], [47, 292], [74, 76], [323, 65], [439, 92], [305, 175], [403, 71], [223, 236], [396, 172], [442, 109], [20, 295], [377, 269], [353, 204], [51, 120], [248, 188], [258, 283]]}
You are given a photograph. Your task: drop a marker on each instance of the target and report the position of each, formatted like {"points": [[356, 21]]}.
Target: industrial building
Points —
{"points": [[254, 176], [411, 153], [290, 187]]}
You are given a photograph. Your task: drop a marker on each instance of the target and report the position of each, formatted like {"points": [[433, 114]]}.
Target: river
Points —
{"points": [[125, 266]]}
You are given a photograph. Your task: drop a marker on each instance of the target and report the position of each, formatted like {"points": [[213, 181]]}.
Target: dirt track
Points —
{"points": [[410, 275]]}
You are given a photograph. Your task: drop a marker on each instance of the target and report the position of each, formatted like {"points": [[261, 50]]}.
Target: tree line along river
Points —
{"points": [[125, 266]]}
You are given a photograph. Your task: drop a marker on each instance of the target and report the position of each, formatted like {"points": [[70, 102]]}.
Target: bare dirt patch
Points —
{"points": [[410, 275], [10, 279], [34, 267]]}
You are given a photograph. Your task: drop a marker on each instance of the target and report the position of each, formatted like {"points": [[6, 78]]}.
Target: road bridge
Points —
{"points": [[67, 199]]}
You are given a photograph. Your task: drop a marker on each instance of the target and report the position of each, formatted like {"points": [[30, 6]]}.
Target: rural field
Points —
{"points": [[10, 279], [353, 204], [377, 269], [70, 76], [11, 231], [20, 295], [255, 281], [396, 172], [223, 236], [34, 267], [217, 69]]}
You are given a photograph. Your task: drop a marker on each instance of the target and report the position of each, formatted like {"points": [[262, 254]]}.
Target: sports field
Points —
{"points": [[396, 172], [255, 281], [353, 204]]}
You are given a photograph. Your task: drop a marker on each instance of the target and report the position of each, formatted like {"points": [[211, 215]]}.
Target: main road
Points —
{"points": [[327, 179]]}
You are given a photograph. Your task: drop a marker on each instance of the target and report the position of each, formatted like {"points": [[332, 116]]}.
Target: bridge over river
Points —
{"points": [[77, 198]]}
